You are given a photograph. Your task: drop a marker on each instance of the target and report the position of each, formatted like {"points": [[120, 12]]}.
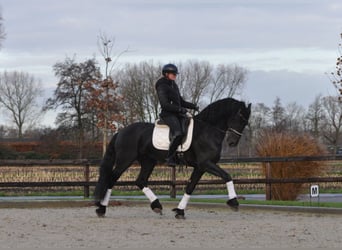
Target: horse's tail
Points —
{"points": [[105, 171]]}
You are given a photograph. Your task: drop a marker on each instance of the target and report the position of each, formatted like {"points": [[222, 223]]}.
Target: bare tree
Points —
{"points": [[2, 30], [150, 73], [202, 83], [294, 117], [278, 115], [336, 77], [132, 90], [260, 117], [197, 81], [332, 124], [104, 96], [2, 131], [315, 116], [19, 92], [137, 86], [227, 81], [196, 77]]}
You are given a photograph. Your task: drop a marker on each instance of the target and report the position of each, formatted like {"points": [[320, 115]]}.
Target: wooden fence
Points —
{"points": [[173, 182]]}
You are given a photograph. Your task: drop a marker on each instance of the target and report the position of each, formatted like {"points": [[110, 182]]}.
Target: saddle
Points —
{"points": [[161, 135]]}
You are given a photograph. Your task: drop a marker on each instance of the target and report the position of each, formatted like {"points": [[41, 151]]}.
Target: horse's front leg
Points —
{"points": [[147, 167], [232, 197], [194, 179]]}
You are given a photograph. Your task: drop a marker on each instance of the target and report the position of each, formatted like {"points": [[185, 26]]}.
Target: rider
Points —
{"points": [[173, 108]]}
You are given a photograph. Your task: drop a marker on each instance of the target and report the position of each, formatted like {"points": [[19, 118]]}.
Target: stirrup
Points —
{"points": [[171, 161]]}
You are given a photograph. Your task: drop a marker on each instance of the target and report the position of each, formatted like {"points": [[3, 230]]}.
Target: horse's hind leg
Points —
{"points": [[121, 166], [190, 187], [147, 166]]}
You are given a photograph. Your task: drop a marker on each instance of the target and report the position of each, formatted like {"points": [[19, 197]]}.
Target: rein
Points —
{"points": [[229, 130]]}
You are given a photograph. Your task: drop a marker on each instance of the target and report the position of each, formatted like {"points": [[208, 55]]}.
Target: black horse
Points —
{"points": [[134, 143]]}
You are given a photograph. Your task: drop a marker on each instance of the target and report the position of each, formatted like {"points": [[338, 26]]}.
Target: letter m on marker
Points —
{"points": [[314, 191]]}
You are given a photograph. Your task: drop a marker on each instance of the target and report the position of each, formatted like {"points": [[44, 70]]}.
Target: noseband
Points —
{"points": [[234, 131], [229, 130]]}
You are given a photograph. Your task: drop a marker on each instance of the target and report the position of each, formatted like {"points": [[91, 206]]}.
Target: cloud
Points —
{"points": [[264, 87], [266, 36], [180, 25]]}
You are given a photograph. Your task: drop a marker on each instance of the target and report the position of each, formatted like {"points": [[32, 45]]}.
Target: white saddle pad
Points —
{"points": [[160, 137]]}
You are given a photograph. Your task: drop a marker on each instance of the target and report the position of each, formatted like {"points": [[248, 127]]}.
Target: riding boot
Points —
{"points": [[171, 158]]}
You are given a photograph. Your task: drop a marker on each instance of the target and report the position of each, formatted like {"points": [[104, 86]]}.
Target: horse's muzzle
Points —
{"points": [[233, 140], [233, 144]]}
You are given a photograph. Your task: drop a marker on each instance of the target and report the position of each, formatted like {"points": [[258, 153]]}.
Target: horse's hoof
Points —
{"points": [[180, 217], [158, 211], [179, 213], [157, 207], [101, 210], [233, 204]]}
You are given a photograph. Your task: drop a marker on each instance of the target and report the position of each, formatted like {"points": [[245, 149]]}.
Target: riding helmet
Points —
{"points": [[169, 68]]}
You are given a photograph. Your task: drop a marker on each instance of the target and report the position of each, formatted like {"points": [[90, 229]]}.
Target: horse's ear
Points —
{"points": [[249, 106]]}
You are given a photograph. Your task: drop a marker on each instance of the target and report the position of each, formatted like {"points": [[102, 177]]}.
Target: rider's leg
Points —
{"points": [[171, 156], [177, 135]]}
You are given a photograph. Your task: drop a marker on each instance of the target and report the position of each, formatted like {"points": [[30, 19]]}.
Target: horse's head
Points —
{"points": [[227, 115], [237, 123]]}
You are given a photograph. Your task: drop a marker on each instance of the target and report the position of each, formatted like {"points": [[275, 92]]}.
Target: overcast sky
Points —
{"points": [[286, 45]]}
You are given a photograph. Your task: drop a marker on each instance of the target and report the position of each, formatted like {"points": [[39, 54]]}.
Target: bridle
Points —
{"points": [[231, 130], [234, 131]]}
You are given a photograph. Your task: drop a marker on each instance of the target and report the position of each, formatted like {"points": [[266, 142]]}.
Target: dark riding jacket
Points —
{"points": [[171, 101]]}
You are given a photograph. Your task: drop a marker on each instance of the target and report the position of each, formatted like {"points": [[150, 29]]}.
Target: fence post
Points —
{"points": [[268, 184], [86, 179], [173, 183]]}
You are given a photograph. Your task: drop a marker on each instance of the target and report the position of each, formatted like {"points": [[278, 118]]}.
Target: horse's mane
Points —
{"points": [[218, 109]]}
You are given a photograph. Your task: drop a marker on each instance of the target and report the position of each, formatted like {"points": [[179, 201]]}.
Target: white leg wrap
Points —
{"points": [[149, 194], [105, 200], [231, 190], [184, 201]]}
